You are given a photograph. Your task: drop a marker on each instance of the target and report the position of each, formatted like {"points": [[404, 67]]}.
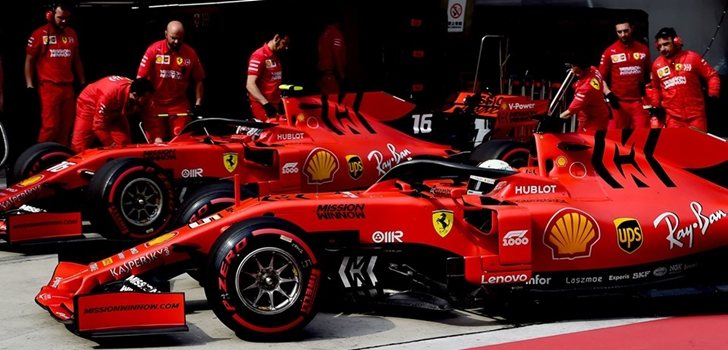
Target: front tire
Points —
{"points": [[207, 200], [38, 158], [263, 280], [130, 199]]}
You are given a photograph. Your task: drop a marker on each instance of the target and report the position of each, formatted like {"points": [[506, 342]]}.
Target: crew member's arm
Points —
{"points": [[146, 64], [253, 89], [711, 77], [106, 112], [29, 64]]}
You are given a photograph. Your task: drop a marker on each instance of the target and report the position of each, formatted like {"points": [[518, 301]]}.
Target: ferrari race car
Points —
{"points": [[321, 144], [620, 210]]}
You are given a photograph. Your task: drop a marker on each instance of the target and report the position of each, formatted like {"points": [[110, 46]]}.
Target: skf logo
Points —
{"points": [[180, 60], [571, 233], [230, 160], [622, 57], [442, 222], [320, 166], [664, 71], [595, 84], [356, 166], [629, 234]]}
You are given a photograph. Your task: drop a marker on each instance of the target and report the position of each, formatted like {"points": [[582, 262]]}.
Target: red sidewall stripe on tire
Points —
{"points": [[119, 179]]}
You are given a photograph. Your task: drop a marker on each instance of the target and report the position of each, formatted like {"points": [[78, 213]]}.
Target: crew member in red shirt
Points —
{"points": [[264, 76], [677, 77], [588, 104], [102, 109], [52, 54], [171, 65], [331, 58], [625, 65]]}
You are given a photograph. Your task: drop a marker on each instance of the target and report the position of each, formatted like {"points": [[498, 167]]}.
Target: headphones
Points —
{"points": [[50, 12], [668, 32]]}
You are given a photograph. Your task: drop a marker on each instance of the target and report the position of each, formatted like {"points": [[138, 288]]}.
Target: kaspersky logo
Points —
{"points": [[629, 234]]}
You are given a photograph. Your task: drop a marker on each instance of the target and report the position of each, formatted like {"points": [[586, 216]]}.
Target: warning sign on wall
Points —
{"points": [[455, 15]]}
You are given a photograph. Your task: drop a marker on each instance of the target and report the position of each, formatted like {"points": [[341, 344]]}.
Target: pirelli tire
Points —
{"points": [[516, 154], [130, 199], [37, 158], [207, 200], [263, 280]]}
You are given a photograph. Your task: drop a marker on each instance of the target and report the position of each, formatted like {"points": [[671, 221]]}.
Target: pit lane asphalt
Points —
{"points": [[25, 325]]}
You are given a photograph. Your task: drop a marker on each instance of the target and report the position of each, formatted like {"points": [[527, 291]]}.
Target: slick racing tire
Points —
{"points": [[38, 158], [207, 200], [516, 154], [263, 280], [130, 199]]}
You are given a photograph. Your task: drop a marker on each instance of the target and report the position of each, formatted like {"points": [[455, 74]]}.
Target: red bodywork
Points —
{"points": [[606, 210], [315, 147], [501, 116]]}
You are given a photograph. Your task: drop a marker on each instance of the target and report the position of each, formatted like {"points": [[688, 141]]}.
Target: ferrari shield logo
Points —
{"points": [[230, 160], [442, 222], [595, 84]]}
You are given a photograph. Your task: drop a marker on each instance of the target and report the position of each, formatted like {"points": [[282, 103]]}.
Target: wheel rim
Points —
{"points": [[268, 281], [141, 202]]}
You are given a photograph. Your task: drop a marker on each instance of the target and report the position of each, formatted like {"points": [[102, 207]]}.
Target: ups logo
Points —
{"points": [[629, 234]]}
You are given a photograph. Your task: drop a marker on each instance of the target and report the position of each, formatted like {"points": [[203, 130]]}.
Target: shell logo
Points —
{"points": [[320, 166], [571, 233], [30, 181], [163, 238], [561, 161]]}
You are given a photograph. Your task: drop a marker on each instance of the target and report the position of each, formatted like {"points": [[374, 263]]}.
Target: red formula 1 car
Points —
{"points": [[321, 144], [598, 213], [135, 191]]}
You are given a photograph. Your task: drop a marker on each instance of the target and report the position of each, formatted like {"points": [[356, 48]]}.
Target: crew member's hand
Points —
{"points": [[270, 110], [613, 100], [565, 114], [158, 140]]}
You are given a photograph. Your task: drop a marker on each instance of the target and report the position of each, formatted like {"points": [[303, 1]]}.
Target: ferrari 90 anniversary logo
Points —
{"points": [[230, 160], [442, 222]]}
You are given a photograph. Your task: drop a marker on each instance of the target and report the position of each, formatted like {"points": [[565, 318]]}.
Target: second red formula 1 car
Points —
{"points": [[134, 192], [612, 212]]}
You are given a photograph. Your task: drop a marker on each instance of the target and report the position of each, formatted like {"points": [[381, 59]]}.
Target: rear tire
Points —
{"points": [[263, 280], [515, 153], [38, 158], [207, 200], [130, 199]]}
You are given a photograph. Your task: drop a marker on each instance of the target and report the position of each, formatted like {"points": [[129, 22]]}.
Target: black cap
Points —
{"points": [[666, 32]]}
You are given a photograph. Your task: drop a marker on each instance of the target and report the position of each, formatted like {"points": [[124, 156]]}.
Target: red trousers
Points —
{"points": [[162, 120], [57, 104], [84, 135], [328, 84], [698, 122], [630, 115]]}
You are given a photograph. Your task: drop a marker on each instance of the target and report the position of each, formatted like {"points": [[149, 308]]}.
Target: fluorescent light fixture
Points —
{"points": [[207, 3]]}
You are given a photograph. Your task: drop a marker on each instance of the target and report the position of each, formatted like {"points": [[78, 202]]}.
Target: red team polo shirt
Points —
{"points": [[55, 49], [265, 64], [170, 71], [101, 108], [625, 66], [589, 106], [677, 81]]}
